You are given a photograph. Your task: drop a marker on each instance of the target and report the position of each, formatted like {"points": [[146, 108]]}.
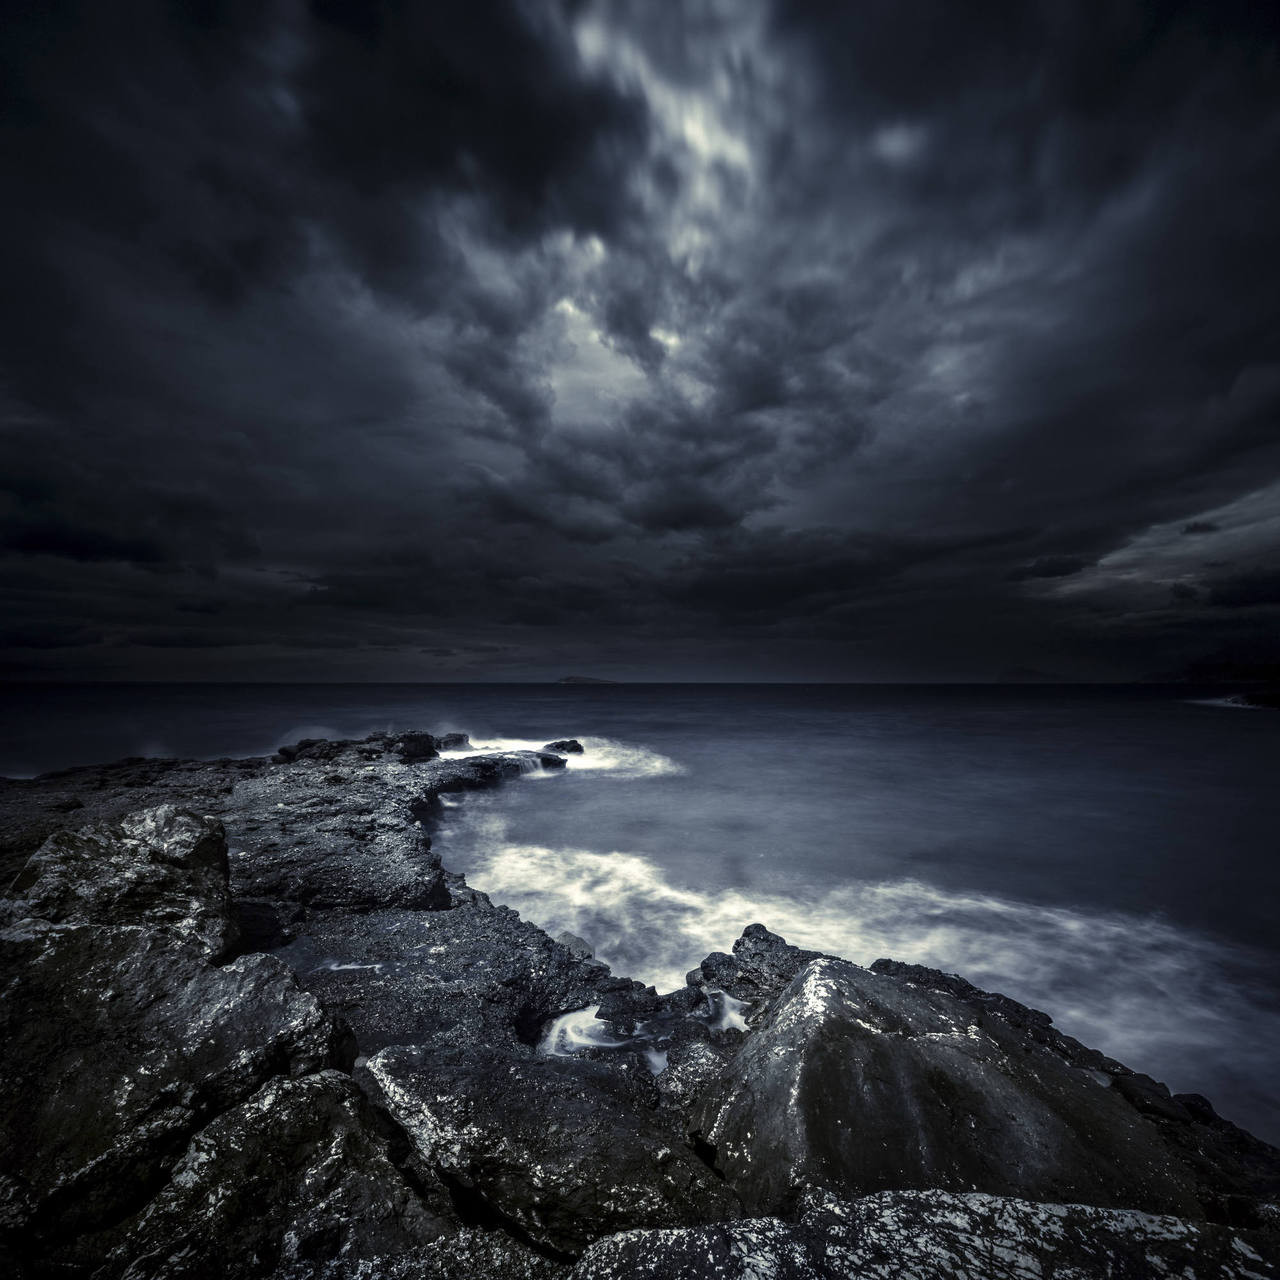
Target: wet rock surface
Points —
{"points": [[848, 1062], [564, 1149], [419, 1083], [303, 1171], [120, 1044], [932, 1235]]}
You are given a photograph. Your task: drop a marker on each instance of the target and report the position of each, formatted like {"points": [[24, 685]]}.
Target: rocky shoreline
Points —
{"points": [[253, 1027]]}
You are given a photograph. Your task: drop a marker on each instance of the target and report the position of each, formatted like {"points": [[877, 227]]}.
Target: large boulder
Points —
{"points": [[164, 867], [761, 966], [936, 1235], [120, 1043], [476, 975], [857, 1082], [565, 1150], [299, 1174], [347, 829]]}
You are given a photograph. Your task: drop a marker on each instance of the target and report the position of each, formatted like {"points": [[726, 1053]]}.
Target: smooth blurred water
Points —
{"points": [[1106, 853]]}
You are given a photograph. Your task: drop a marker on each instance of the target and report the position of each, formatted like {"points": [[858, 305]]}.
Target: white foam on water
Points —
{"points": [[624, 760], [575, 1031], [1158, 997], [599, 755], [726, 1012], [1234, 702]]}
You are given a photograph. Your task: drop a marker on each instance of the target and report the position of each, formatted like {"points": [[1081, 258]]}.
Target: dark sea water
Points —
{"points": [[1108, 854]]}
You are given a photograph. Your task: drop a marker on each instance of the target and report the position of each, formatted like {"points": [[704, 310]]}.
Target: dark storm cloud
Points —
{"points": [[720, 337], [1261, 587], [1050, 567]]}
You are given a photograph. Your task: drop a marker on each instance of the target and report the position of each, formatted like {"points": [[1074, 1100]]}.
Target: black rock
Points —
{"points": [[300, 1173], [475, 975], [120, 1043], [575, 945], [163, 1116], [454, 742], [857, 1082], [1031, 1022], [565, 746], [566, 1150], [412, 747], [163, 867], [762, 964], [934, 1235]]}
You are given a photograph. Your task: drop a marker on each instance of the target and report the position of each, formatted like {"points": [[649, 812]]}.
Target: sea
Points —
{"points": [[1105, 853]]}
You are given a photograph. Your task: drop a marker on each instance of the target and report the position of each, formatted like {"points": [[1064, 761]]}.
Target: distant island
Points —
{"points": [[584, 680]]}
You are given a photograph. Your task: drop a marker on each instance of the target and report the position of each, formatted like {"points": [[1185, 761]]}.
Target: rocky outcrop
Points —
{"points": [[565, 746], [302, 1172], [566, 1150], [474, 975], [761, 965], [858, 1083], [349, 828], [932, 1235], [163, 868], [122, 1040], [174, 1103]]}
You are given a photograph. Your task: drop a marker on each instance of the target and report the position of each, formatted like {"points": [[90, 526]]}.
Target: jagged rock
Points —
{"points": [[472, 1253], [302, 1173], [454, 742], [1031, 1022], [120, 1043], [575, 946], [34, 808], [311, 749], [858, 1082], [761, 966], [164, 867], [416, 746], [473, 975], [694, 1061], [183, 1118], [565, 746], [1232, 1170], [567, 1150], [360, 846], [936, 1235]]}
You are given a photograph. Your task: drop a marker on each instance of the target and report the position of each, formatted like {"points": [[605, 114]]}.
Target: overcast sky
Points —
{"points": [[719, 339]]}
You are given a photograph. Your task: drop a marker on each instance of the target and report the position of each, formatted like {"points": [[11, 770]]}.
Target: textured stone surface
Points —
{"points": [[164, 867], [935, 1235], [164, 1116], [762, 965], [297, 1175], [565, 1149], [858, 1082], [120, 1044], [348, 828], [477, 975], [469, 1254]]}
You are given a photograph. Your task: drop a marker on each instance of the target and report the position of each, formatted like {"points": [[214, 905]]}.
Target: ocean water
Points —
{"points": [[1107, 854]]}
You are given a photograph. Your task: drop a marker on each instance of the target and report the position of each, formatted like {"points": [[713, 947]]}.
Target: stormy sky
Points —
{"points": [[711, 339]]}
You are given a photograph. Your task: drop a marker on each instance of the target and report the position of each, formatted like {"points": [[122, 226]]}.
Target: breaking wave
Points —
{"points": [[599, 755], [1141, 989]]}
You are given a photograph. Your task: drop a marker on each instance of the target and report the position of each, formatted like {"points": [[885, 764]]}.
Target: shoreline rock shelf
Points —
{"points": [[404, 1088]]}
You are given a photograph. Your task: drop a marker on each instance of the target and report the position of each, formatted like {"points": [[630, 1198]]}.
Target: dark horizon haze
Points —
{"points": [[725, 340]]}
